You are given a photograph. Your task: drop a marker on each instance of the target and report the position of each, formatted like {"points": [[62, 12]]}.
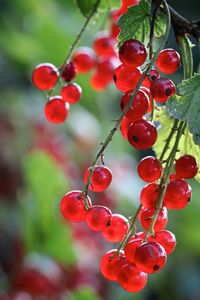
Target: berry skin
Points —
{"points": [[186, 166], [131, 247], [166, 239], [149, 195], [56, 110], [98, 82], [98, 217], [132, 53], [69, 72], [84, 59], [106, 67], [149, 169], [126, 78], [72, 206], [168, 61], [125, 124], [161, 89], [142, 134], [107, 264], [131, 278], [45, 76], [146, 217], [150, 257], [71, 93], [104, 45], [178, 194], [116, 230], [100, 179]]}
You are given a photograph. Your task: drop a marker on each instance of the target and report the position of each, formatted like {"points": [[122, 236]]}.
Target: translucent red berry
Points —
{"points": [[69, 72], [149, 195], [45, 76], [56, 110], [98, 217], [116, 230], [72, 206], [166, 239], [132, 53], [98, 82], [161, 89], [131, 247], [149, 169], [147, 215], [107, 264], [104, 44], [126, 78], [168, 61], [142, 134], [100, 179], [153, 74], [71, 93], [150, 257], [186, 166], [125, 124], [106, 67], [84, 59]]}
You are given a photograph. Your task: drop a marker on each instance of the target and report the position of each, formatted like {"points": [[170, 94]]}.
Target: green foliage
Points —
{"points": [[185, 105], [86, 6], [84, 294]]}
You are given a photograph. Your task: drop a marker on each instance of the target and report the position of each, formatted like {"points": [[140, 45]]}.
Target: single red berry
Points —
{"points": [[142, 134], [131, 247], [116, 230], [178, 194], [161, 89], [124, 127], [72, 206], [131, 278], [149, 169], [132, 53], [150, 257], [147, 215], [186, 166], [84, 59], [166, 239], [98, 217], [71, 93], [45, 76], [56, 110], [104, 44], [107, 264], [168, 61], [126, 78], [69, 72], [100, 179], [149, 195], [106, 67], [98, 82], [153, 74]]}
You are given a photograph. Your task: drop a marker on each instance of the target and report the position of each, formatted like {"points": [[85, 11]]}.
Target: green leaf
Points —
{"points": [[186, 144], [84, 293], [86, 6], [160, 25], [186, 105]]}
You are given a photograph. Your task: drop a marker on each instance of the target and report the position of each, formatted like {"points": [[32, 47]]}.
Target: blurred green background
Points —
{"points": [[40, 162]]}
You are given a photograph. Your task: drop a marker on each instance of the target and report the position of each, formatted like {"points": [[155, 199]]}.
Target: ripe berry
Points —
{"points": [[161, 89], [131, 278], [120, 262], [98, 217], [186, 166], [131, 247], [142, 134], [45, 76], [84, 59], [104, 45], [150, 257], [126, 78], [107, 264], [132, 53], [153, 74], [149, 169], [72, 206], [106, 67], [116, 230], [146, 218], [166, 239], [71, 93], [178, 194], [69, 72], [125, 123], [100, 179], [56, 110], [98, 82], [168, 61], [149, 195]]}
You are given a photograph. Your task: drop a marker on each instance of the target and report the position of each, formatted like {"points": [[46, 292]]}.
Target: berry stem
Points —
{"points": [[186, 51]]}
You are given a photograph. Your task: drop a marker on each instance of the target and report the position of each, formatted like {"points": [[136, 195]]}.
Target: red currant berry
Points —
{"points": [[56, 110], [168, 61], [98, 82], [84, 59], [131, 278], [174, 177], [132, 53], [186, 166], [107, 264], [71, 93], [116, 230], [125, 124], [146, 218], [153, 74], [166, 239], [69, 72], [142, 134], [131, 247], [126, 78], [98, 217], [178, 194], [106, 67], [72, 206], [45, 76], [149, 169], [149, 195], [104, 45], [162, 89], [121, 261], [150, 257], [100, 179], [126, 4]]}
